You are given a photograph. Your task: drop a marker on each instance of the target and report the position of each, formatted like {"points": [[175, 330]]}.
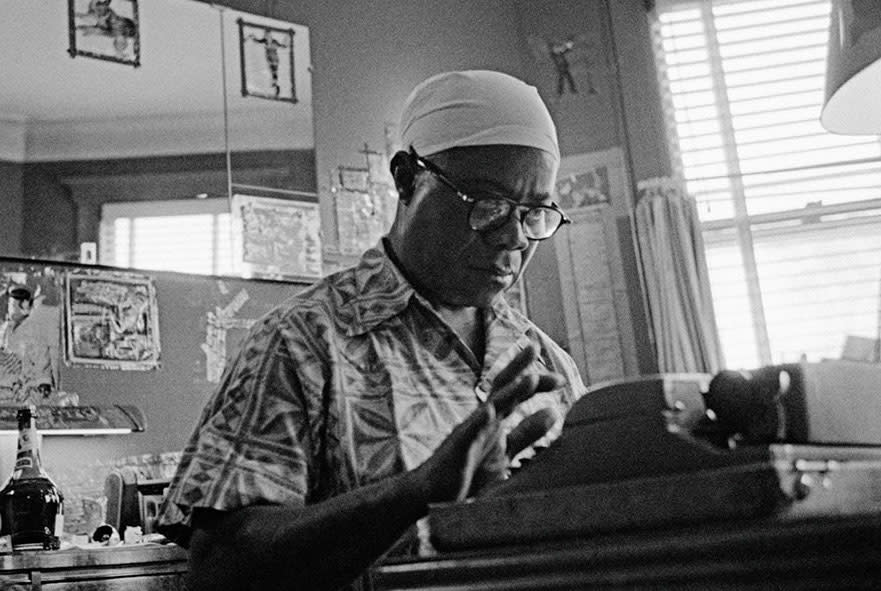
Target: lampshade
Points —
{"points": [[853, 68]]}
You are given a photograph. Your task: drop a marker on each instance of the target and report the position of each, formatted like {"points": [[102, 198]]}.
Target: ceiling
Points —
{"points": [[50, 101]]}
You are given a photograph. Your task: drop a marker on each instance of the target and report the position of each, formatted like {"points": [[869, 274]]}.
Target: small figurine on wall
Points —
{"points": [[98, 30], [564, 55]]}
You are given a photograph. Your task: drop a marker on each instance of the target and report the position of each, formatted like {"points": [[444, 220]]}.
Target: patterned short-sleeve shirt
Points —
{"points": [[351, 381]]}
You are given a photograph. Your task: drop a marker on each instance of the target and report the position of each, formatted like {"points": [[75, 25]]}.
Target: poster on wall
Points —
{"points": [[105, 29], [111, 320], [277, 238], [30, 336]]}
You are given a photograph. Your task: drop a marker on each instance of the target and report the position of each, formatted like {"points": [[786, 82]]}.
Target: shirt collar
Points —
{"points": [[381, 291]]}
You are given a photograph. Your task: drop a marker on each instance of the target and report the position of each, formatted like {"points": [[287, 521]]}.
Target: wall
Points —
{"points": [[587, 122], [366, 58], [75, 190], [171, 396], [10, 207]]}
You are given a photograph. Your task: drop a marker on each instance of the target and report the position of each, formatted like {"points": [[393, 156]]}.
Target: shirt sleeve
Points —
{"points": [[252, 443]]}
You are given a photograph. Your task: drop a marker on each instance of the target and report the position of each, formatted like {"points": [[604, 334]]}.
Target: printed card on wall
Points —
{"points": [[111, 320], [277, 238]]}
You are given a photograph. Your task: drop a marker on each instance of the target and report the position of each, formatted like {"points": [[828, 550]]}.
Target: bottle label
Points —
{"points": [[59, 523], [27, 459], [22, 462]]}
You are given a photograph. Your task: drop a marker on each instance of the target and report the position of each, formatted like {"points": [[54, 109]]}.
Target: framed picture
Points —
{"points": [[105, 30], [591, 178], [277, 238], [111, 320], [267, 61]]}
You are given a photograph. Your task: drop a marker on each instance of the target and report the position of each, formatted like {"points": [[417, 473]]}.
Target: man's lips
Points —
{"points": [[495, 270]]}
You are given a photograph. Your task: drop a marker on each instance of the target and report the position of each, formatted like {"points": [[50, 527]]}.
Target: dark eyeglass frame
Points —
{"points": [[472, 201]]}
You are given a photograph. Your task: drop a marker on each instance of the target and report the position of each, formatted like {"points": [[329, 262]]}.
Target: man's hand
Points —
{"points": [[530, 430], [442, 476]]}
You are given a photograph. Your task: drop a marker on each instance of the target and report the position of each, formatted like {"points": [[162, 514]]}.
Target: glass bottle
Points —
{"points": [[31, 505]]}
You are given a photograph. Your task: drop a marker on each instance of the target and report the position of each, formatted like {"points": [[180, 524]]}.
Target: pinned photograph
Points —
{"points": [[105, 30], [267, 62]]}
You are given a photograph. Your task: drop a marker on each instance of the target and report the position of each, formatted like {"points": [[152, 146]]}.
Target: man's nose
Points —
{"points": [[510, 235]]}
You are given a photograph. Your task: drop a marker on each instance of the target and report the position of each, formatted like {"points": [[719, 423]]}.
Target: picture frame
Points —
{"points": [[277, 238], [591, 178], [266, 56], [106, 30], [111, 320]]}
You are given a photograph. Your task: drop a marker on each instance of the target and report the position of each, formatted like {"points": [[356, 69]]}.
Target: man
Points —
{"points": [[382, 388]]}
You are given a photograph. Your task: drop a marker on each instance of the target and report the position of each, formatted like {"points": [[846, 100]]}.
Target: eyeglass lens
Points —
{"points": [[489, 213], [538, 222]]}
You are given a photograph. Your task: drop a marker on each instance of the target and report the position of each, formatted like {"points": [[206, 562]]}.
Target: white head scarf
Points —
{"points": [[476, 108]]}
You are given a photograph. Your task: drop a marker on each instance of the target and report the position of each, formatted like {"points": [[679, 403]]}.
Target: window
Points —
{"points": [[192, 236], [791, 214]]}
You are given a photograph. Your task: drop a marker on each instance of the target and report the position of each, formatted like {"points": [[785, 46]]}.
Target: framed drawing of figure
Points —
{"points": [[267, 61]]}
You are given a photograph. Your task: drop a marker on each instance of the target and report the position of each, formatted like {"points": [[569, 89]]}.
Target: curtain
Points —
{"points": [[676, 280]]}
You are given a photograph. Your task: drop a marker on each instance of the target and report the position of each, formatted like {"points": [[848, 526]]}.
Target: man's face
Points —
{"points": [[449, 262], [18, 309]]}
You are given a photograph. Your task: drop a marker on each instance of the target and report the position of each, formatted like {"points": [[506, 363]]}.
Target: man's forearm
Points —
{"points": [[320, 546]]}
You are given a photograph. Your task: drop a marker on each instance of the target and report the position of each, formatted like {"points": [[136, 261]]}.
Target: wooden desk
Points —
{"points": [[833, 552], [119, 568]]}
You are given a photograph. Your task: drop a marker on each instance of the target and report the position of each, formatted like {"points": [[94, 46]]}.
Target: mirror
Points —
{"points": [[78, 132]]}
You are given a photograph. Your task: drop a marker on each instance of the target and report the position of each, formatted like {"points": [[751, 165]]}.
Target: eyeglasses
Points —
{"points": [[490, 211]]}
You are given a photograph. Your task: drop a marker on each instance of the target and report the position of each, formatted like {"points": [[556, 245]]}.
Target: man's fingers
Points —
{"points": [[468, 429], [530, 430], [548, 382], [506, 398], [520, 362]]}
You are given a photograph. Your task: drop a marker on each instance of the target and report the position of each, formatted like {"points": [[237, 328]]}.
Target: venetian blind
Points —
{"points": [[791, 214], [191, 236]]}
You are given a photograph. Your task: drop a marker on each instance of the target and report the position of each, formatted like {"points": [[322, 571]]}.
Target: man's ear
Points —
{"points": [[404, 172]]}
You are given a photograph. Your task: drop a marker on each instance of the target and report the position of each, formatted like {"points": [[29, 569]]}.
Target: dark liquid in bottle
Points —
{"points": [[30, 509], [31, 506]]}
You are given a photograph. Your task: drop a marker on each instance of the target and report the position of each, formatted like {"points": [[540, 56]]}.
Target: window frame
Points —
{"points": [[741, 227]]}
